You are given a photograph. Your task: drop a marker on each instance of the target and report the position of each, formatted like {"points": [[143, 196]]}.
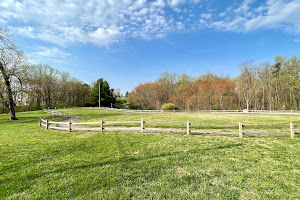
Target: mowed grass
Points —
{"points": [[40, 164], [182, 117], [201, 122]]}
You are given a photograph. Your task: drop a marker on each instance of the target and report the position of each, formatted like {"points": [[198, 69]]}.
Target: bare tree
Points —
{"points": [[167, 82], [11, 60], [247, 85]]}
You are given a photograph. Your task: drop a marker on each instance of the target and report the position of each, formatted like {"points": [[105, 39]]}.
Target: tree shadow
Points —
{"points": [[124, 160]]}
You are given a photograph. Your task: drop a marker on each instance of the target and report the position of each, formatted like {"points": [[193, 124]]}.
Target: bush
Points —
{"points": [[169, 106], [118, 105], [121, 101], [134, 107]]}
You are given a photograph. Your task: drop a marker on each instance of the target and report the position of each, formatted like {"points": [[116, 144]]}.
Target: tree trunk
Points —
{"points": [[9, 94]]}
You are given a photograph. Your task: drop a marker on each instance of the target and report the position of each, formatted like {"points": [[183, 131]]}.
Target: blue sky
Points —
{"points": [[128, 42]]}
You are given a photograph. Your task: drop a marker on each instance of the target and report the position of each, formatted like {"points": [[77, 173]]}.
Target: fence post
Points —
{"points": [[142, 125], [40, 121], [187, 127], [240, 130], [47, 124], [101, 126], [292, 130], [70, 126]]}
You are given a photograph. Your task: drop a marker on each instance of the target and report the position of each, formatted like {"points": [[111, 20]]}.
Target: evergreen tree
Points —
{"points": [[106, 94]]}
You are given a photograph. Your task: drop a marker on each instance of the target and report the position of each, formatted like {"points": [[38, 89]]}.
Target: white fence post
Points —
{"points": [[240, 130], [292, 130], [101, 126], [70, 126], [142, 125], [187, 127]]}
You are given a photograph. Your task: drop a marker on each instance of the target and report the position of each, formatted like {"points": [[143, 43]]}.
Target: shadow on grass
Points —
{"points": [[23, 118], [124, 161]]}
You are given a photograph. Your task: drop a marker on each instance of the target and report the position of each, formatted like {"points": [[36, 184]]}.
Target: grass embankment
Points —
{"points": [[40, 164]]}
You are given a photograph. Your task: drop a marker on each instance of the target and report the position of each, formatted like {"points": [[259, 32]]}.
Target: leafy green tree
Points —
{"points": [[106, 93]]}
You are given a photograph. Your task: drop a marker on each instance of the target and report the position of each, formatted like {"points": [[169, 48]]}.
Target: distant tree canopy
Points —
{"points": [[106, 94], [263, 86], [45, 85]]}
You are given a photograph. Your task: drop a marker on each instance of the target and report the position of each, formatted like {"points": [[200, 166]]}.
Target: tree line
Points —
{"points": [[265, 86], [260, 87], [38, 86], [44, 85]]}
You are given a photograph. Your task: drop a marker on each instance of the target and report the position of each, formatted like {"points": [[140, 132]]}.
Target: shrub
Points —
{"points": [[118, 105], [169, 106], [119, 100], [215, 108]]}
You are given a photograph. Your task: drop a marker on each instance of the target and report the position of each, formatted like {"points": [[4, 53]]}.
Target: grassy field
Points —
{"points": [[40, 164], [200, 118], [202, 123]]}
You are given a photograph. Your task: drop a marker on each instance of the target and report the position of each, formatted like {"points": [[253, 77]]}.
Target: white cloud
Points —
{"points": [[98, 22], [52, 54], [105, 36], [178, 10], [296, 40], [159, 3], [223, 14], [269, 15], [278, 14], [180, 25], [109, 21], [206, 15], [174, 3], [244, 7]]}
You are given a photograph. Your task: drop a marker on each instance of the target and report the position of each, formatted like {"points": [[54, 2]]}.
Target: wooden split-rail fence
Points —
{"points": [[244, 111], [54, 112], [139, 126]]}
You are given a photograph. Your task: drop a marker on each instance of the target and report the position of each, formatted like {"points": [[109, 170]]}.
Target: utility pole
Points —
{"points": [[99, 94]]}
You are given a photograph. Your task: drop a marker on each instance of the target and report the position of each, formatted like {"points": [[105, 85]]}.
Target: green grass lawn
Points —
{"points": [[198, 118], [277, 125], [40, 164]]}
